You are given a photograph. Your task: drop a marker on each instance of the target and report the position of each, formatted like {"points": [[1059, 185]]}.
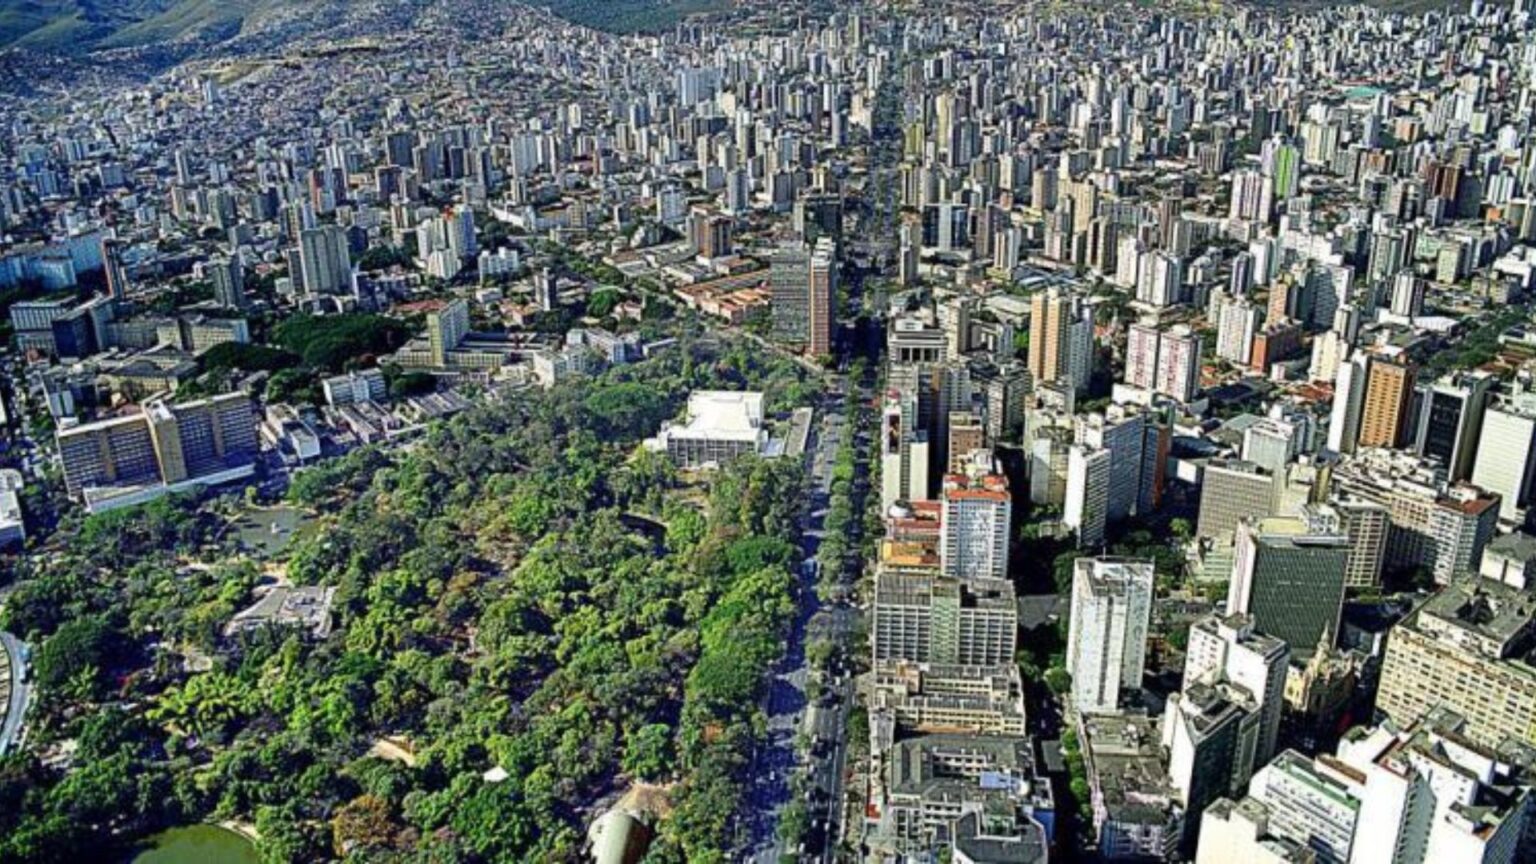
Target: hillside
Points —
{"points": [[79, 26]]}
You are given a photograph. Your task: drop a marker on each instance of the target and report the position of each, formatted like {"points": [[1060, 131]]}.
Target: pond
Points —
{"points": [[197, 844], [266, 531]]}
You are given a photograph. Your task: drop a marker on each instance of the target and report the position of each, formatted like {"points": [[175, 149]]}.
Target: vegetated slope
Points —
{"points": [[78, 26], [631, 16]]}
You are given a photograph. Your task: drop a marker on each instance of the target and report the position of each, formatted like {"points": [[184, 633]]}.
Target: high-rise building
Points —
{"points": [[1231, 490], [446, 328], [1348, 404], [967, 434], [116, 271], [935, 619], [1290, 580], [1163, 361], [1366, 524], [1419, 793], [1086, 508], [1388, 393], [1060, 338], [1451, 420], [228, 280], [904, 453], [974, 540], [1107, 639], [1239, 831], [1229, 649], [1464, 649], [822, 314], [325, 260], [804, 284], [1136, 477], [132, 459], [1440, 526], [1505, 462]]}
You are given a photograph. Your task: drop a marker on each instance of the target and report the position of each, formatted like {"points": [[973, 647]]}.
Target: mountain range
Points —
{"points": [[76, 27]]}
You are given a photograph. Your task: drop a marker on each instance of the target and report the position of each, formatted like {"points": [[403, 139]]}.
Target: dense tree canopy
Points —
{"points": [[523, 589]]}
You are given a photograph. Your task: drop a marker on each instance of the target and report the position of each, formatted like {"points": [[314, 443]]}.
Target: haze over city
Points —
{"points": [[698, 431]]}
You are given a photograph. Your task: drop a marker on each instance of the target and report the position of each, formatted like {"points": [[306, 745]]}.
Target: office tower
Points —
{"points": [[790, 281], [1141, 356], [1107, 638], [1005, 394], [1230, 491], [975, 524], [132, 459], [1210, 733], [821, 313], [1291, 581], [1228, 649], [1178, 363], [1436, 525], [1312, 803], [904, 453], [1060, 339], [817, 215], [1086, 509], [545, 290], [935, 619], [1388, 393], [228, 279], [1505, 462], [462, 238], [1239, 831], [1237, 325], [1049, 457], [1135, 470], [1366, 524], [1348, 404], [1451, 420], [446, 328], [325, 261], [116, 271], [1271, 444], [967, 434], [1464, 649]]}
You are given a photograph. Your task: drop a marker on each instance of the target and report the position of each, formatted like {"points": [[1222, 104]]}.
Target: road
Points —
{"points": [[788, 704], [20, 692]]}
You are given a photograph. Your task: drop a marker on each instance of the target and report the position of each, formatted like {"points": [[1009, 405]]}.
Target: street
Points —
{"points": [[20, 692]]}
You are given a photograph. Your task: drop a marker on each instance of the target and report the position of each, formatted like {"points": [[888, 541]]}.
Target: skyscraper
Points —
{"points": [[325, 260], [1060, 339], [821, 317], [974, 541], [1290, 580], [228, 279], [116, 272], [446, 328], [1387, 396], [1348, 404], [1505, 461], [1451, 420], [1107, 638]]}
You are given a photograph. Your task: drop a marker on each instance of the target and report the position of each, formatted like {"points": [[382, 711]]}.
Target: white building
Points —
{"points": [[1107, 639], [974, 531], [721, 425]]}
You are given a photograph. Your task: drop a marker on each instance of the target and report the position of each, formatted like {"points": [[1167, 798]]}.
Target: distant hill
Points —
{"points": [[79, 26]]}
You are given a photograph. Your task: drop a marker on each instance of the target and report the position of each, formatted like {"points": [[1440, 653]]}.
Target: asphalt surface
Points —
{"points": [[788, 705], [20, 695]]}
